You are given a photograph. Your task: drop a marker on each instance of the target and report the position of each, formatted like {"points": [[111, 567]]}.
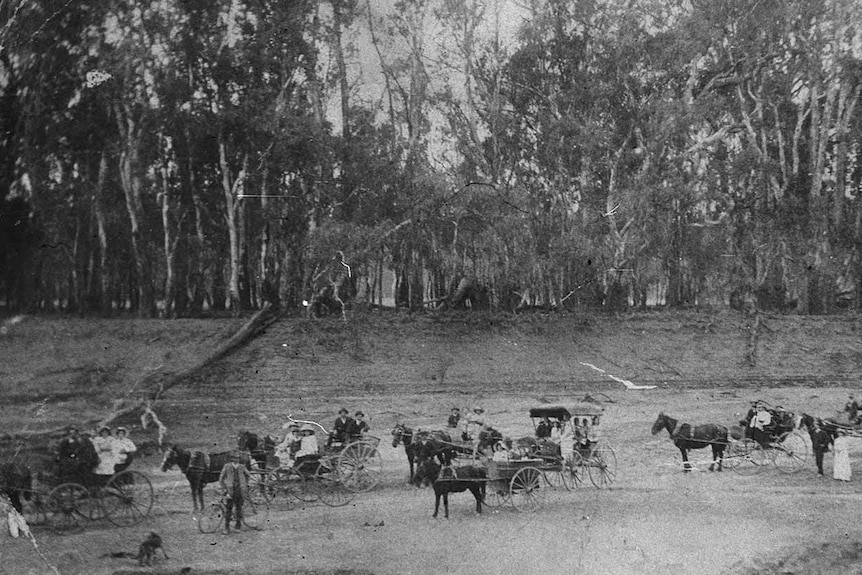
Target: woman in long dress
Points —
{"points": [[841, 457]]}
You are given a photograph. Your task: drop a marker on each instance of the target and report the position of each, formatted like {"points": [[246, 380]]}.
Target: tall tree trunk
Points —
{"points": [[130, 132], [232, 188], [101, 228]]}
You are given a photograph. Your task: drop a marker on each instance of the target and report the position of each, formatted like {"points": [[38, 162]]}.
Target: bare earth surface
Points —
{"points": [[654, 519]]}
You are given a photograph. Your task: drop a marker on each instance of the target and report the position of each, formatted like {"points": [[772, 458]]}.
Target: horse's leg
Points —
{"points": [[477, 493], [685, 465], [446, 504], [719, 450], [436, 503], [411, 457]]}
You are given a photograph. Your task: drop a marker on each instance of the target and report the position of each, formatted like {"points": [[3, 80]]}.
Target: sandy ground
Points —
{"points": [[655, 519]]}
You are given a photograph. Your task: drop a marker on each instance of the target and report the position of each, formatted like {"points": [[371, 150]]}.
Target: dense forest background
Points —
{"points": [[169, 157]]}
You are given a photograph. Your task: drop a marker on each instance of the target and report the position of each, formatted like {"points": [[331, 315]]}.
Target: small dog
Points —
{"points": [[147, 549]]}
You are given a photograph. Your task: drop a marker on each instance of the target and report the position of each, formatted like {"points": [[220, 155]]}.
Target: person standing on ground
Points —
{"points": [[841, 457], [820, 441], [234, 480]]}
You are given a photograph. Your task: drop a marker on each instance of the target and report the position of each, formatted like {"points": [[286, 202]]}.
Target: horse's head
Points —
{"points": [[171, 457], [246, 441], [400, 433], [426, 472], [659, 424]]}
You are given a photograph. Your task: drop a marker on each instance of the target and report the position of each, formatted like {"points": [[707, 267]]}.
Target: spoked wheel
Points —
{"points": [[791, 453], [742, 458], [361, 466], [255, 514], [330, 488], [602, 466], [127, 498], [496, 494], [211, 519], [572, 472], [67, 505], [527, 489]]}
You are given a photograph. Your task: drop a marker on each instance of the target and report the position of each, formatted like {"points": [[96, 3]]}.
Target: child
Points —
{"points": [[234, 483]]}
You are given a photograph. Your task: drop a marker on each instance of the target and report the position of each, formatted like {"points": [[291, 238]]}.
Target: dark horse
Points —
{"points": [[199, 468], [16, 481], [448, 480], [420, 445], [686, 436], [260, 449]]}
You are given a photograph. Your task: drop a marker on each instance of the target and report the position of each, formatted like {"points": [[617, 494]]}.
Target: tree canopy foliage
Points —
{"points": [[175, 156]]}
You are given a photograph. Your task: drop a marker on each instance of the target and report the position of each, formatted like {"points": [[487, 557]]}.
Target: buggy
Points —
{"points": [[785, 446]]}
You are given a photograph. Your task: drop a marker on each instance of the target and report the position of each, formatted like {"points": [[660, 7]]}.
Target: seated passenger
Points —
{"points": [[358, 427], [124, 450], [288, 447], [340, 428], [454, 418], [543, 429], [104, 445], [308, 454]]}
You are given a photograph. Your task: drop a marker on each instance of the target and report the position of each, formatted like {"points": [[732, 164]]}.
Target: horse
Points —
{"points": [[260, 450], [686, 436], [16, 481], [199, 468], [446, 480], [403, 435]]}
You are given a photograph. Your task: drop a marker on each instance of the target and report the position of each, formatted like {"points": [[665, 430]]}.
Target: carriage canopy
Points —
{"points": [[566, 412]]}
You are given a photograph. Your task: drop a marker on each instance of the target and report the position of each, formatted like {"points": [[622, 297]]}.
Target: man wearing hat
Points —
{"points": [[308, 449], [75, 456], [340, 428], [234, 480], [480, 422], [358, 427]]}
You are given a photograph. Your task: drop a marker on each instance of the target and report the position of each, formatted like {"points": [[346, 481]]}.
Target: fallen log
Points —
{"points": [[157, 384]]}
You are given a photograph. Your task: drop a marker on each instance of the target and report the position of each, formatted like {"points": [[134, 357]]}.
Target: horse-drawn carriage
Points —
{"points": [[63, 500], [579, 450], [342, 469], [780, 443]]}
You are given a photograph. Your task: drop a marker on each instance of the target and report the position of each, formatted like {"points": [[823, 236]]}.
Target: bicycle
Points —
{"points": [[255, 512]]}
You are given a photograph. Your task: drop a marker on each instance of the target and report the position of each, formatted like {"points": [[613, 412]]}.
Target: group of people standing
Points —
{"points": [[107, 453]]}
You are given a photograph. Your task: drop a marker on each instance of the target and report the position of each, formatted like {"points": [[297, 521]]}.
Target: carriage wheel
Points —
{"points": [[212, 519], [361, 466], [526, 490], [496, 494], [331, 488], [791, 452], [67, 504], [127, 498], [255, 513], [602, 466], [572, 471], [742, 457], [259, 490]]}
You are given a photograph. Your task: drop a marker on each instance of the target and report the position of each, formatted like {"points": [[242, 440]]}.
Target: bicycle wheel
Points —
{"points": [[255, 513], [127, 498], [330, 488], [211, 519], [791, 452]]}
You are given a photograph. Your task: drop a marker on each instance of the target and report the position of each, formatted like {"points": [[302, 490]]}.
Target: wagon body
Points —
{"points": [[585, 454], [64, 501]]}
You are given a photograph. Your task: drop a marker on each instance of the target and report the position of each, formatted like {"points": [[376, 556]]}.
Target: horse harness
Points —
{"points": [[199, 461]]}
